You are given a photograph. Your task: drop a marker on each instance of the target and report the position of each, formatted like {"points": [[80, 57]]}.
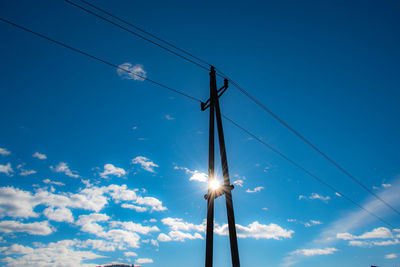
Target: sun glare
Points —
{"points": [[215, 184]]}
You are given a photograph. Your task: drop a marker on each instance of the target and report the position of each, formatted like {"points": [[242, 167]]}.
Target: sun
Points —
{"points": [[214, 184]]}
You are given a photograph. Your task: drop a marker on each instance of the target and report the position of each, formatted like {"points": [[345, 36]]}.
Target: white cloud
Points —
{"points": [[154, 242], [355, 218], [163, 238], [315, 196], [198, 176], [6, 169], [89, 223], [345, 236], [119, 238], [110, 169], [145, 163], [306, 224], [16, 203], [195, 175], [169, 117], [318, 196], [24, 172], [63, 168], [4, 152], [134, 207], [39, 155], [381, 232], [154, 203], [97, 244], [136, 227], [122, 238], [314, 251], [19, 203], [128, 71], [255, 190], [357, 243], [35, 228], [178, 224], [386, 185], [386, 243], [238, 182], [391, 256], [178, 236], [143, 261], [130, 254], [61, 253], [119, 192], [59, 214], [257, 231], [253, 230], [90, 198], [312, 223], [48, 181]]}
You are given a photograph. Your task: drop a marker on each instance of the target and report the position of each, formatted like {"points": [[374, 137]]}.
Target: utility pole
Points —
{"points": [[210, 200], [226, 188]]}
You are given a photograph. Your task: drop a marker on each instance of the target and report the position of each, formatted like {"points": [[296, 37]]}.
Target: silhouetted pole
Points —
{"points": [[210, 200], [226, 188], [227, 184]]}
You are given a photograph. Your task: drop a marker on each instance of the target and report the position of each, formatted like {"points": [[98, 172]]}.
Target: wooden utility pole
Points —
{"points": [[226, 188], [210, 200]]}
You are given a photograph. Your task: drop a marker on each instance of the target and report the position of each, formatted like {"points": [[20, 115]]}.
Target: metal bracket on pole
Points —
{"points": [[219, 192], [221, 91]]}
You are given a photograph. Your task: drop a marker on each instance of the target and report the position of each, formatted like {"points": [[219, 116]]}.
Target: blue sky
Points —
{"points": [[98, 167]]}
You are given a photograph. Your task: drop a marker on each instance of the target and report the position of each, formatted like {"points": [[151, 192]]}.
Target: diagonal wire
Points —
{"points": [[99, 59], [281, 121], [314, 147], [144, 31], [223, 75], [135, 33], [297, 165]]}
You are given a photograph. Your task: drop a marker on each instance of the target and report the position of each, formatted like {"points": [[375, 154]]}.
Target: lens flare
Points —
{"points": [[215, 184]]}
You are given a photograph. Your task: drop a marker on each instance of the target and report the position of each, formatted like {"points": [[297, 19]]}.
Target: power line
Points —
{"points": [[144, 31], [314, 147], [136, 34], [297, 165], [218, 71], [98, 59], [223, 75], [198, 100]]}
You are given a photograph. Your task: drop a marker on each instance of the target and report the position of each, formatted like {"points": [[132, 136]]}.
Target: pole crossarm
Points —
{"points": [[219, 192], [205, 105]]}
